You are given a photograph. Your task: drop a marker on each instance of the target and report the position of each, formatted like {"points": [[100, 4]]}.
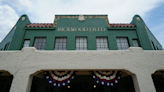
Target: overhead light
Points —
{"points": [[68, 86], [94, 86]]}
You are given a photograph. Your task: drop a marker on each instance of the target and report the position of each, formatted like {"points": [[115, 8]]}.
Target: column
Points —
{"points": [[143, 82], [21, 82]]}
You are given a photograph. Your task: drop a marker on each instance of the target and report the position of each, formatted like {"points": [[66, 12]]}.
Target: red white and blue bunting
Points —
{"points": [[58, 78], [107, 78]]}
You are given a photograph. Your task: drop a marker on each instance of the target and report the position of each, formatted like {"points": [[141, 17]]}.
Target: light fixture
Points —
{"points": [[94, 86], [68, 86]]}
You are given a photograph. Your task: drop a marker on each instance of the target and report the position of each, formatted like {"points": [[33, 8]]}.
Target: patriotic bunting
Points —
{"points": [[107, 78], [63, 78], [58, 78]]}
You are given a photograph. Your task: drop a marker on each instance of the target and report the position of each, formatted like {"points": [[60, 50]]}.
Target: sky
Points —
{"points": [[118, 11]]}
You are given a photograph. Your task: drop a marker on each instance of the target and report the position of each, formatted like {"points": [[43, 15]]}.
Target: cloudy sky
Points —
{"points": [[118, 11]]}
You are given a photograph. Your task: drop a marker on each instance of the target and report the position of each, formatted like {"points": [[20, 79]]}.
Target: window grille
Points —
{"points": [[102, 43], [7, 46], [122, 43], [60, 43], [81, 43], [153, 45], [39, 43], [135, 43], [26, 43]]}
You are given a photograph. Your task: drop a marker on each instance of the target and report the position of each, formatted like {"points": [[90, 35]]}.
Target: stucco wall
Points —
{"points": [[22, 64]]}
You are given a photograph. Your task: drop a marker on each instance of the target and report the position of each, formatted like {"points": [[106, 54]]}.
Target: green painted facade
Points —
{"points": [[7, 39], [93, 26], [145, 35]]}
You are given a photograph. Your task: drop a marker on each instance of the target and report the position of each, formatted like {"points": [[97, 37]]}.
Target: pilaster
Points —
{"points": [[143, 82], [21, 82]]}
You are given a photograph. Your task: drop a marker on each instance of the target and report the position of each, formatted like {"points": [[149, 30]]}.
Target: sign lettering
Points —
{"points": [[71, 29]]}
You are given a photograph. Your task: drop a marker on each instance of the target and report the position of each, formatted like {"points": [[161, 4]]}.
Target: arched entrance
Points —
{"points": [[82, 82], [5, 81], [158, 79]]}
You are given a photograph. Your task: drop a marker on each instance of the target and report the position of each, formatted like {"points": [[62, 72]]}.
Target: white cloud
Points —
{"points": [[117, 10], [8, 18], [21, 5]]}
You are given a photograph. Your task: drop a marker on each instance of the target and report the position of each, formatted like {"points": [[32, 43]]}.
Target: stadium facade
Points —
{"points": [[81, 53]]}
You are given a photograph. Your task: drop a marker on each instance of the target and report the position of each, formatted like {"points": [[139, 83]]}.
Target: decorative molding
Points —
{"points": [[15, 28], [126, 28], [23, 18], [138, 19], [145, 27], [36, 28], [57, 17], [81, 18]]}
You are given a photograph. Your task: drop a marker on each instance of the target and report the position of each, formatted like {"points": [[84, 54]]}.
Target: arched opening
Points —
{"points": [[82, 82], [5, 81], [7, 46], [158, 79]]}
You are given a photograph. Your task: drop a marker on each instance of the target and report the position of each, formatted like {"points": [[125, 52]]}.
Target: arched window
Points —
{"points": [[7, 46]]}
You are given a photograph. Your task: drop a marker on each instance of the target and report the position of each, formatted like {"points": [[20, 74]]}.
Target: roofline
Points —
{"points": [[80, 14]]}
